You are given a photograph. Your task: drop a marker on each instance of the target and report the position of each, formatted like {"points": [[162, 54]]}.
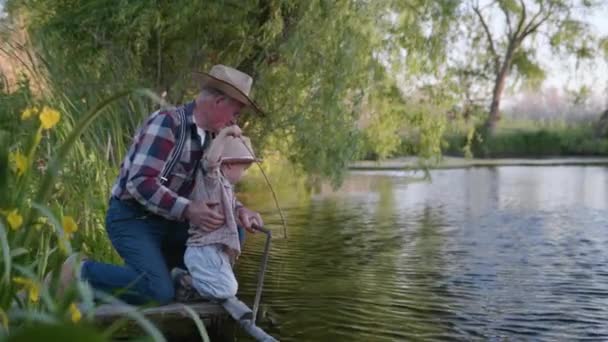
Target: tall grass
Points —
{"points": [[57, 163]]}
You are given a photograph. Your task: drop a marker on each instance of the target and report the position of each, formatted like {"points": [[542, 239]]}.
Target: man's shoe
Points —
{"points": [[184, 290]]}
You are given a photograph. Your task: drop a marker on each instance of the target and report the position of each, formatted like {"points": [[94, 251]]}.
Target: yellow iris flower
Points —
{"points": [[49, 117], [19, 162], [15, 220], [75, 314], [32, 288], [69, 225]]}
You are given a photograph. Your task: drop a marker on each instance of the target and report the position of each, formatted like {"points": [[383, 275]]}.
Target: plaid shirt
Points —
{"points": [[139, 177]]}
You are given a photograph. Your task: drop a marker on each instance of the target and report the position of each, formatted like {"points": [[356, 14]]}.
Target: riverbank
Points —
{"points": [[412, 163]]}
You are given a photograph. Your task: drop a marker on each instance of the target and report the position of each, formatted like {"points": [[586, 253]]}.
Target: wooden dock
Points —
{"points": [[173, 320]]}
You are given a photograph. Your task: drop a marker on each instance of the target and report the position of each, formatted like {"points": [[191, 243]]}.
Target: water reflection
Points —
{"points": [[481, 253]]}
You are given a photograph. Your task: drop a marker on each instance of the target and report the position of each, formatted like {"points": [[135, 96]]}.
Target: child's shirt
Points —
{"points": [[212, 186]]}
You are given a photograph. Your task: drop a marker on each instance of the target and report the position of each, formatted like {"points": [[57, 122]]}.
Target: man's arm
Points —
{"points": [[156, 142]]}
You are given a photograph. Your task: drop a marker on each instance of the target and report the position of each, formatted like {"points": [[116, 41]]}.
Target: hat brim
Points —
{"points": [[206, 80], [241, 160]]}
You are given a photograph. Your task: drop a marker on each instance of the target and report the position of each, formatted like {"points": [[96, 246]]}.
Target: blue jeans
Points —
{"points": [[149, 245]]}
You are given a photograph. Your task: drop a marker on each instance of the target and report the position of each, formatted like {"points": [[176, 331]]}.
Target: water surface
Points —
{"points": [[505, 253]]}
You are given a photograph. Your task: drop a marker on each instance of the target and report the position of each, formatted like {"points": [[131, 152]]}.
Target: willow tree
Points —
{"points": [[314, 61], [506, 35]]}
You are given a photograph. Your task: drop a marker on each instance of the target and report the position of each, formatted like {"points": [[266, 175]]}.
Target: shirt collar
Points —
{"points": [[189, 110], [191, 120]]}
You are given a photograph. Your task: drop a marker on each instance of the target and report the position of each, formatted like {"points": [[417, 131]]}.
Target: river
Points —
{"points": [[500, 253]]}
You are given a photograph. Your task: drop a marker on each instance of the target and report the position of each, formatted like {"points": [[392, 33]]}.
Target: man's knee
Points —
{"points": [[162, 293]]}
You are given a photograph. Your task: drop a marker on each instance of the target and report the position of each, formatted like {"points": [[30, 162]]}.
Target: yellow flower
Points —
{"points": [[34, 293], [15, 220], [31, 286], [69, 225], [49, 117], [28, 113], [19, 162], [75, 314]]}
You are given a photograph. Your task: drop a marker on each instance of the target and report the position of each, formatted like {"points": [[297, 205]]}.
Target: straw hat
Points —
{"points": [[230, 81], [238, 150]]}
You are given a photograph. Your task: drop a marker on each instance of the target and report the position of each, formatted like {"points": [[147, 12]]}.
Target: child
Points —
{"points": [[211, 253]]}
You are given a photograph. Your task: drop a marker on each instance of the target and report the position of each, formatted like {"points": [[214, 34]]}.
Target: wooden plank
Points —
{"points": [[204, 309], [172, 319]]}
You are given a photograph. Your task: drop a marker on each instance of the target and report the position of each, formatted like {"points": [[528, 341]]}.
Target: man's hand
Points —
{"points": [[214, 153], [230, 131], [247, 218], [204, 215]]}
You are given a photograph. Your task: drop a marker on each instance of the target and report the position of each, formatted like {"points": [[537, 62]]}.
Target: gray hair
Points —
{"points": [[208, 92]]}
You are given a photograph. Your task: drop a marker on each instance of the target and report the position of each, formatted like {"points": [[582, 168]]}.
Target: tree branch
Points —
{"points": [[507, 17], [522, 19], [489, 37], [533, 25]]}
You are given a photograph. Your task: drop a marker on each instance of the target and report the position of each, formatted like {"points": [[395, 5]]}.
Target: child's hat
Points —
{"points": [[238, 150]]}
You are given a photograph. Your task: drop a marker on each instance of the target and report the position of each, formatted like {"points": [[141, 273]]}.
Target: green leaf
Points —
{"points": [[530, 70], [57, 332], [6, 254]]}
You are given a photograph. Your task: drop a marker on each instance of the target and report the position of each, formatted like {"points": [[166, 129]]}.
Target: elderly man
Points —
{"points": [[148, 216]]}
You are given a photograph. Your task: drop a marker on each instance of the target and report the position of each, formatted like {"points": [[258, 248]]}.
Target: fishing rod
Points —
{"points": [[262, 272], [274, 195]]}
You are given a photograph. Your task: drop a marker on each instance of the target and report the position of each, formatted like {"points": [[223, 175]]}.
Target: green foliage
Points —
{"points": [[383, 118], [381, 137], [510, 6], [538, 142], [568, 35], [63, 332], [528, 69], [314, 61], [14, 102]]}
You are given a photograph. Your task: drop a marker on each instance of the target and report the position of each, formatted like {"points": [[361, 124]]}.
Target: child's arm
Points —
{"points": [[213, 156]]}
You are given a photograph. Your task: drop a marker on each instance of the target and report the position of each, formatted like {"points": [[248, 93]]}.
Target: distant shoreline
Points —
{"points": [[411, 163]]}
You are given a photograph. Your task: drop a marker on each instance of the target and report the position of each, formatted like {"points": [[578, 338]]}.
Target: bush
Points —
{"points": [[543, 142]]}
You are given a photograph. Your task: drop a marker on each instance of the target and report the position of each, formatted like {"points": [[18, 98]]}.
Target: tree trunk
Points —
{"points": [[499, 87]]}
